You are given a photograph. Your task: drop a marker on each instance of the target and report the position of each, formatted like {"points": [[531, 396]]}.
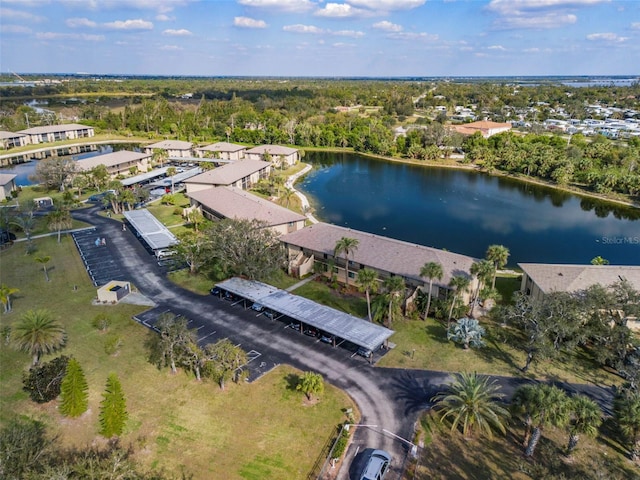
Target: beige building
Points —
{"points": [[118, 163], [174, 148], [242, 174], [387, 256], [487, 129], [7, 185], [56, 133], [231, 202], [13, 140], [278, 155], [223, 151]]}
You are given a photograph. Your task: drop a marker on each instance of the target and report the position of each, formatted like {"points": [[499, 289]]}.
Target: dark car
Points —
{"points": [[258, 307], [326, 338], [215, 291], [364, 352], [230, 296], [377, 466], [311, 331]]}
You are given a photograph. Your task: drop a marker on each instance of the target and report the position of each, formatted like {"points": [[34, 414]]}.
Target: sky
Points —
{"points": [[361, 38]]}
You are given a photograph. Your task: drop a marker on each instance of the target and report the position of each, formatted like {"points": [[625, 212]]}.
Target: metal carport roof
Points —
{"points": [[154, 233], [342, 325]]}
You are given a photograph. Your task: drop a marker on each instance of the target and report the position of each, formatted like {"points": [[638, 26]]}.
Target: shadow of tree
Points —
{"points": [[437, 333], [291, 381]]}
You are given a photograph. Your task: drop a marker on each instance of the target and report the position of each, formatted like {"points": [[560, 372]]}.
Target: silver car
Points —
{"points": [[377, 466]]}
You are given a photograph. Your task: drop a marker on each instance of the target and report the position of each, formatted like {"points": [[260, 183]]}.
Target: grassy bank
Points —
{"points": [[263, 430]]}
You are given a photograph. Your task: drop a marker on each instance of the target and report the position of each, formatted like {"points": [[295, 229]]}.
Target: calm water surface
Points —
{"points": [[465, 211]]}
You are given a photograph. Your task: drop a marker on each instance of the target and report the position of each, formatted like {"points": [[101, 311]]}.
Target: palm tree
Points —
{"points": [[498, 254], [43, 260], [5, 296], [472, 402], [395, 290], [58, 220], [542, 405], [458, 284], [159, 156], [347, 246], [483, 270], [586, 417], [626, 409], [368, 283], [287, 195], [431, 271], [38, 333]]}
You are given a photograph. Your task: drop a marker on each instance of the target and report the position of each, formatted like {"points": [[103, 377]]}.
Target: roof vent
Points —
{"points": [[560, 274]]}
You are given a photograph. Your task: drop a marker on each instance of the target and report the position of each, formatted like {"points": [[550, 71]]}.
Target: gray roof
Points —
{"points": [[171, 145], [143, 177], [342, 325], [111, 159], [177, 178], [571, 278], [5, 134], [233, 202], [230, 173], [6, 178], [382, 253], [222, 147], [150, 229], [54, 128], [272, 150]]}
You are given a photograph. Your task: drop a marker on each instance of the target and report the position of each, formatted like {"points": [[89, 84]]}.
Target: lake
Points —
{"points": [[466, 211]]}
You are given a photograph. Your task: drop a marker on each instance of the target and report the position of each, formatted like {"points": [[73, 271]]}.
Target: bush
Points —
{"points": [[101, 321], [341, 443], [112, 344], [43, 381], [177, 211]]}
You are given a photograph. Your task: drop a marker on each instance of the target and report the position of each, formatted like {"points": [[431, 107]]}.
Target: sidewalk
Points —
{"points": [[303, 200], [302, 282]]}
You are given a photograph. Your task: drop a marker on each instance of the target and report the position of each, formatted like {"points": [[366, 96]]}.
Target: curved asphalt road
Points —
{"points": [[389, 399]]}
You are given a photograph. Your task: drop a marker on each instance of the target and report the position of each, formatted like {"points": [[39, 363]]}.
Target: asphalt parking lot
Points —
{"points": [[96, 252]]}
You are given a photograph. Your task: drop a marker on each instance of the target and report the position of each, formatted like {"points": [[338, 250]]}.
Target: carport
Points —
{"points": [[356, 330], [153, 233]]}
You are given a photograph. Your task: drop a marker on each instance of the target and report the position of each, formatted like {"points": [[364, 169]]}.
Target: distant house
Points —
{"points": [[242, 174], [487, 129], [223, 151], [231, 202], [118, 163], [7, 185], [174, 148], [13, 140], [387, 256], [276, 154], [540, 279], [55, 133]]}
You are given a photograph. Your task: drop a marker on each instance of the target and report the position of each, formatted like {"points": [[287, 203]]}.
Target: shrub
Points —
{"points": [[43, 381], [102, 322], [177, 211], [341, 443], [112, 344]]}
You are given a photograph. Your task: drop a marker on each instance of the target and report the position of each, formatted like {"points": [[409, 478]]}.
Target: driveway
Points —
{"points": [[389, 399]]}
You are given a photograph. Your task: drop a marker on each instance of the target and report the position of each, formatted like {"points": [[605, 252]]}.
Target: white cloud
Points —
{"points": [[246, 22], [635, 25], [536, 14], [387, 5], [606, 37], [69, 36], [284, 5], [515, 7], [387, 26], [531, 50], [535, 22], [20, 29], [171, 48], [164, 18], [183, 32], [343, 45], [80, 22], [340, 10], [8, 13], [497, 47], [348, 33], [299, 28], [137, 24], [413, 36]]}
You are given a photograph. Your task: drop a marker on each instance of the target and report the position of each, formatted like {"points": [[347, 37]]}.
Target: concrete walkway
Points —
{"points": [[302, 282], [303, 199]]}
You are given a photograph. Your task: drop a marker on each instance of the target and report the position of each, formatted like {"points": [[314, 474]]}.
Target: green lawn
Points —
{"points": [[320, 292], [263, 430]]}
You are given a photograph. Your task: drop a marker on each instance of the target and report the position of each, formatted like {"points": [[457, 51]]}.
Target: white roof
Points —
{"points": [[223, 147], [5, 134], [54, 128], [171, 145], [272, 150], [353, 329], [111, 159], [150, 229], [230, 173], [6, 178]]}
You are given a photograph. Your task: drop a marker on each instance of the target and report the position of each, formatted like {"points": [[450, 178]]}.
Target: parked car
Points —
{"points": [[269, 314], [257, 307], [230, 296], [364, 352], [215, 291], [377, 466], [311, 331], [326, 338], [295, 326]]}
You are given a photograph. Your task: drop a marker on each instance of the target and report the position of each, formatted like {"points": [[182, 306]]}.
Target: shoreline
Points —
{"points": [[496, 173]]}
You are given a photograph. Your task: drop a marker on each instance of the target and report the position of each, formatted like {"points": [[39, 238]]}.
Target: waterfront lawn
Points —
{"points": [[174, 421], [449, 455]]}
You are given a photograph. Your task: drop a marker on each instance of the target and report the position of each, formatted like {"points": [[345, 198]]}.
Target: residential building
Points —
{"points": [[174, 148], [13, 140], [387, 256], [223, 151], [55, 133], [278, 155], [118, 163], [242, 174], [232, 202], [7, 185], [486, 128]]}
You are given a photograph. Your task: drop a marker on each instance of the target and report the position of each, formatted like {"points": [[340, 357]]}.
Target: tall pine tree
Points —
{"points": [[74, 391], [113, 408]]}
